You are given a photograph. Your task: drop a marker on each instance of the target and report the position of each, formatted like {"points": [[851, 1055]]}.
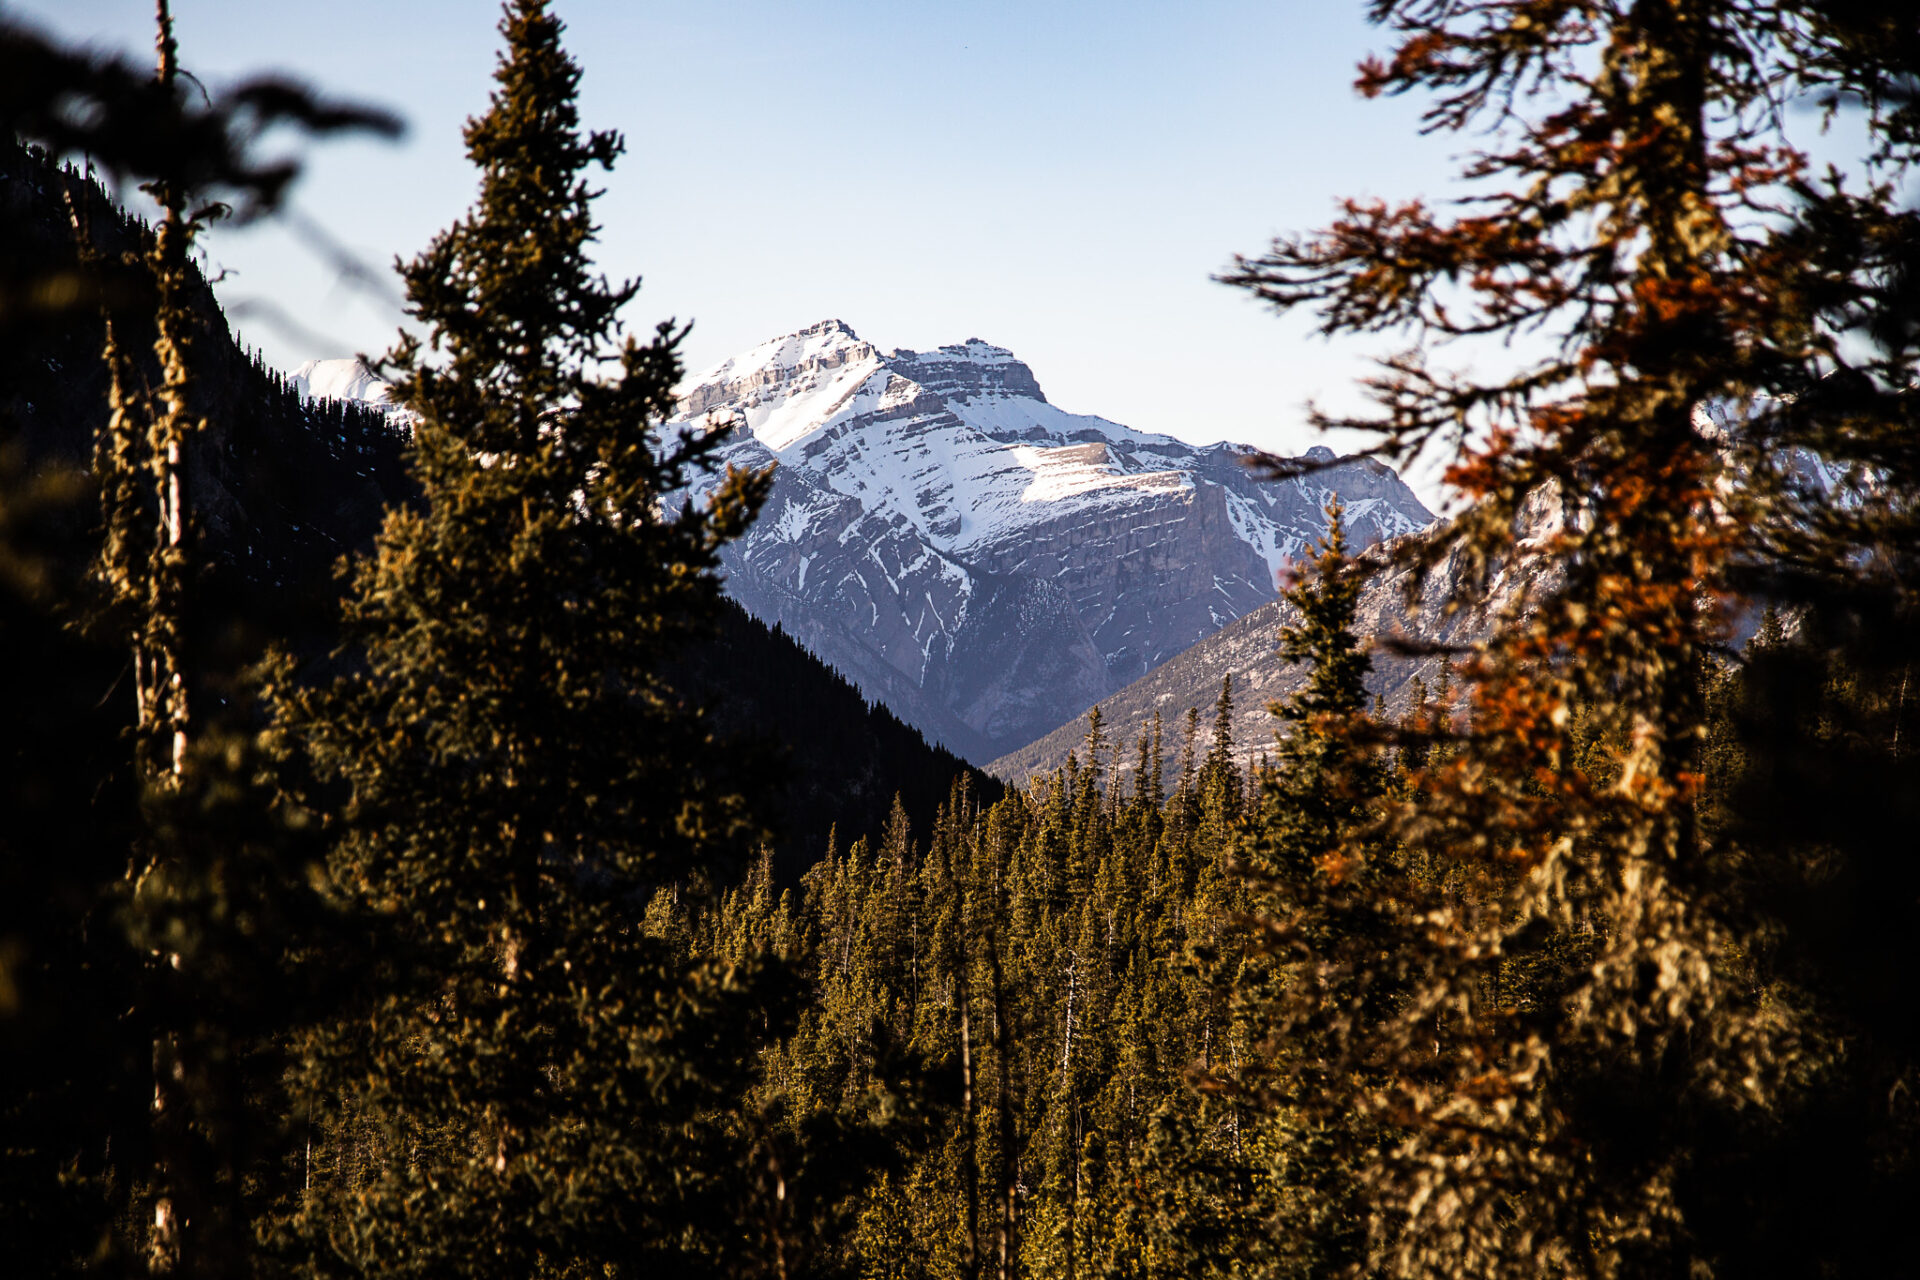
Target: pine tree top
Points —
{"points": [[1326, 596]]}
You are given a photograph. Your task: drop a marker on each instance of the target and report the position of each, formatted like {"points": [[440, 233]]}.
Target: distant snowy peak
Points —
{"points": [[958, 442], [790, 387], [987, 562], [972, 367], [339, 380], [961, 443]]}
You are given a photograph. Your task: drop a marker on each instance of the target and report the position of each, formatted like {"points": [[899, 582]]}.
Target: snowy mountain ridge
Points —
{"points": [[986, 562], [814, 399]]}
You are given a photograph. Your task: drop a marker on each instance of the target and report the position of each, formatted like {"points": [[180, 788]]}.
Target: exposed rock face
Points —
{"points": [[983, 562], [1248, 650], [1132, 574], [1023, 655]]}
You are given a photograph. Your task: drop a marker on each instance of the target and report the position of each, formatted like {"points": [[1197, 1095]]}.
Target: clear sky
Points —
{"points": [[1060, 178]]}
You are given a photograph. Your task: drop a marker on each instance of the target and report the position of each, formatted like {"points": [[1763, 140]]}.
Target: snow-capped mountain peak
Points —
{"points": [[339, 380], [983, 560]]}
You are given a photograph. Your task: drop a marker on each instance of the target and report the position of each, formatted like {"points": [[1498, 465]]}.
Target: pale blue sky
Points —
{"points": [[1058, 178]]}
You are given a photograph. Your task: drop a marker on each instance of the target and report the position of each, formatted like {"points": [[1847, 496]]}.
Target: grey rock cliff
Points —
{"points": [[985, 563]]}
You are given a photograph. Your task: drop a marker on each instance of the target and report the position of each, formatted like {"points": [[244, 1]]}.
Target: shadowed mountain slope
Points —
{"points": [[285, 484]]}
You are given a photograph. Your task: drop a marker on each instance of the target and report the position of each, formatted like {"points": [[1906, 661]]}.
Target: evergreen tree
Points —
{"points": [[535, 1083], [1318, 881], [171, 961], [1322, 783], [1578, 1036], [1217, 786]]}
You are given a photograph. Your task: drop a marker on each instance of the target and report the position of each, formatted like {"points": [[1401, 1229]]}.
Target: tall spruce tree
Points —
{"points": [[1316, 876], [1321, 784], [534, 1086]]}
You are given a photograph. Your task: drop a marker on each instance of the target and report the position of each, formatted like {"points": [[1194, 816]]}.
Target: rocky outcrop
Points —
{"points": [[1024, 657], [1131, 573], [985, 563]]}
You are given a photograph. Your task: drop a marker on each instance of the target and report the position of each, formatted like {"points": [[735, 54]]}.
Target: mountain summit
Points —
{"points": [[985, 563]]}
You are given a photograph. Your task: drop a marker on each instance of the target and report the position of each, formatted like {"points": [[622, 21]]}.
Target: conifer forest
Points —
{"points": [[412, 864]]}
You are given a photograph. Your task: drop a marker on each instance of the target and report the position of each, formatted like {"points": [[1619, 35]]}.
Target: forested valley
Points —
{"points": [[411, 864]]}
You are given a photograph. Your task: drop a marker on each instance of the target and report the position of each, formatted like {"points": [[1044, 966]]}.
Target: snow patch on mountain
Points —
{"points": [[339, 380]]}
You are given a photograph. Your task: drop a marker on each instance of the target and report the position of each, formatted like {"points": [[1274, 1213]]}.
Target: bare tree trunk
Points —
{"points": [[161, 654], [1071, 1141], [963, 997], [1007, 1233]]}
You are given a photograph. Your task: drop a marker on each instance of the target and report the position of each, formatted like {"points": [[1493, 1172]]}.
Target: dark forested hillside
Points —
{"points": [[839, 760], [284, 487], [289, 486]]}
